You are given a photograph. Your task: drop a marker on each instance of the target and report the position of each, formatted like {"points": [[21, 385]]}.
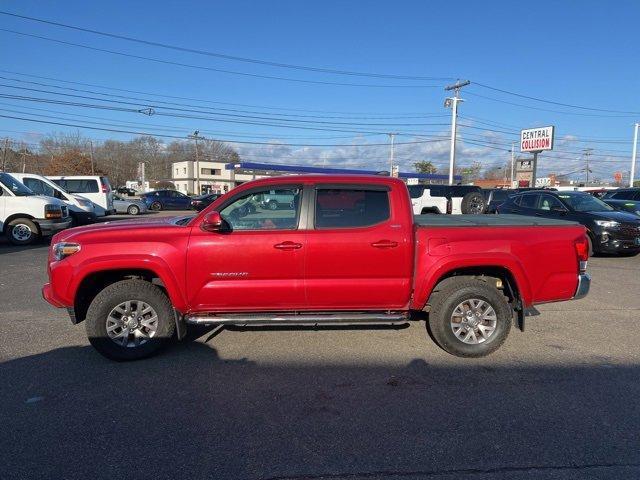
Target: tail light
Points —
{"points": [[105, 189], [582, 252]]}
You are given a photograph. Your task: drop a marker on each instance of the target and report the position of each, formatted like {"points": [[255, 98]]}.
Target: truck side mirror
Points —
{"points": [[213, 222]]}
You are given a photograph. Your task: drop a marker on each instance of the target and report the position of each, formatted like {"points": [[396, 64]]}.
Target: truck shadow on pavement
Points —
{"points": [[69, 413]]}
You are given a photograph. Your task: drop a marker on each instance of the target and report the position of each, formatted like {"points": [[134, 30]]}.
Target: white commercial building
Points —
{"points": [[215, 177]]}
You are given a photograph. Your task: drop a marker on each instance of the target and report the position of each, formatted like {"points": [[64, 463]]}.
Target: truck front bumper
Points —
{"points": [[584, 283], [50, 227]]}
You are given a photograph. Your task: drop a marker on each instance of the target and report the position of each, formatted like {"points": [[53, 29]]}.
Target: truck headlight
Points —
{"points": [[52, 211], [64, 249], [607, 223], [84, 203]]}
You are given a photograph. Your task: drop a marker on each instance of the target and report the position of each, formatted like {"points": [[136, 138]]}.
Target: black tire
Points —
{"points": [[156, 206], [443, 303], [272, 205], [473, 203], [133, 210], [22, 231], [112, 296]]}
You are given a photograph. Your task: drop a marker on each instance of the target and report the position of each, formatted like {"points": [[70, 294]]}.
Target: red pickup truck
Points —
{"points": [[314, 260]]}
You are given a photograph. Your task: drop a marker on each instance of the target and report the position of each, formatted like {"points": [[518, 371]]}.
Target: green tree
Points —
{"points": [[424, 166]]}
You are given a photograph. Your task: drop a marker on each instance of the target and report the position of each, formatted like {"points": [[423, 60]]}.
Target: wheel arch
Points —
{"points": [[94, 282], [15, 216], [498, 276]]}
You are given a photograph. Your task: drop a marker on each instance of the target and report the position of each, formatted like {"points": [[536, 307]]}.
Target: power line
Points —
{"points": [[401, 115], [151, 101], [202, 67], [217, 139], [223, 55], [551, 102]]}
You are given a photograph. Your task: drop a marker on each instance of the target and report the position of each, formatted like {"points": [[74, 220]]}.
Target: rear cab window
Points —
{"points": [[347, 207]]}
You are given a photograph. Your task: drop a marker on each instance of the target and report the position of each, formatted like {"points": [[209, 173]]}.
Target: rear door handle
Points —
{"points": [[288, 246], [384, 244]]}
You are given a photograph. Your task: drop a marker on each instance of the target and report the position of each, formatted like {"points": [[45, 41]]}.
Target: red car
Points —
{"points": [[340, 250]]}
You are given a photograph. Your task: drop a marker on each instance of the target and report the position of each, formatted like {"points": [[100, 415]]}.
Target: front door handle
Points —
{"points": [[288, 246], [384, 244]]}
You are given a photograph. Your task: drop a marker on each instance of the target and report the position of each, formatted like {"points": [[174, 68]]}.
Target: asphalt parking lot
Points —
{"points": [[558, 401]]}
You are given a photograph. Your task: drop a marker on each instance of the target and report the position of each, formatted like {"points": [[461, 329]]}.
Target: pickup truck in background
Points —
{"points": [[451, 199], [312, 261]]}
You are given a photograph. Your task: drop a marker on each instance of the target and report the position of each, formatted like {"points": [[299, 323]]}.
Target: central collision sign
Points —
{"points": [[536, 139]]}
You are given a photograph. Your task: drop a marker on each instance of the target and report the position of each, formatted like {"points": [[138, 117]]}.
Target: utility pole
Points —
{"points": [[24, 157], [452, 102], [91, 155], [392, 136], [513, 160], [196, 136], [587, 152], [634, 154], [4, 153]]}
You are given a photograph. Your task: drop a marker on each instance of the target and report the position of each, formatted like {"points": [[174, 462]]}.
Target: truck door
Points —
{"points": [[257, 264], [359, 255]]}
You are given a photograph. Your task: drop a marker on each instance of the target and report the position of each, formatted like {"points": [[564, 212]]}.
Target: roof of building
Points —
{"points": [[322, 170]]}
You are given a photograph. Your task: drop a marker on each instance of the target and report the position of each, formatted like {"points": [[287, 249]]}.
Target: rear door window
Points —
{"points": [[79, 186], [350, 208], [627, 195], [529, 200], [416, 191]]}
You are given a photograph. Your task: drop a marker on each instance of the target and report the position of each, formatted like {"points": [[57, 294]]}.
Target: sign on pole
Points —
{"points": [[536, 139]]}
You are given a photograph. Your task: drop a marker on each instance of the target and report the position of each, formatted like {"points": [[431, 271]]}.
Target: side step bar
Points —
{"points": [[343, 318]]}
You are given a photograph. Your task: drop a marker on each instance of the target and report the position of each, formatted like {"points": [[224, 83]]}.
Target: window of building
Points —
{"points": [[210, 171], [184, 170], [344, 208]]}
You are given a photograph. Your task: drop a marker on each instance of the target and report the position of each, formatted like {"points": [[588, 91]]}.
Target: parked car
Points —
{"points": [[372, 261], [623, 194], [201, 202], [81, 209], [25, 217], [166, 200], [609, 230], [129, 206], [93, 187], [130, 192], [494, 197], [455, 199], [631, 206]]}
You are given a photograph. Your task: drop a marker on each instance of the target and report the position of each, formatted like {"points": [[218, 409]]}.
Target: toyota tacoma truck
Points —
{"points": [[315, 260]]}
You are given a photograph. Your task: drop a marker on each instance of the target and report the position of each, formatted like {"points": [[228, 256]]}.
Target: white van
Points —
{"points": [[93, 187], [81, 209], [25, 216]]}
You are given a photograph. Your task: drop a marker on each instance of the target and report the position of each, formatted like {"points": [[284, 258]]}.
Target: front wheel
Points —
{"points": [[469, 317], [22, 231], [156, 206], [130, 320]]}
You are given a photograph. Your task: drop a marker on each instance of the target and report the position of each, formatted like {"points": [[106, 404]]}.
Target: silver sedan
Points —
{"points": [[130, 206]]}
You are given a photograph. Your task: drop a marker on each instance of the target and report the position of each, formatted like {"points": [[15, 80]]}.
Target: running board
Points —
{"points": [[342, 318]]}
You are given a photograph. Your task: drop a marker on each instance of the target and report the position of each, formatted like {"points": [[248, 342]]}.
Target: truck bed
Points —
{"points": [[487, 221]]}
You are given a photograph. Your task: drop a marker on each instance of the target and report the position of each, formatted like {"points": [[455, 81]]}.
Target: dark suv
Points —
{"points": [[610, 231]]}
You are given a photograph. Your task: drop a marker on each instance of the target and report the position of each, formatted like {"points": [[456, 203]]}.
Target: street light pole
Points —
{"points": [[634, 154], [453, 103], [196, 136], [513, 160]]}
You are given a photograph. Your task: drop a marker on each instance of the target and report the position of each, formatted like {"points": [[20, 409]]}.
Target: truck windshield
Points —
{"points": [[14, 186]]}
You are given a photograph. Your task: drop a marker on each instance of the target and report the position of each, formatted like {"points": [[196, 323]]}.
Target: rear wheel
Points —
{"points": [[130, 320], [272, 205], [473, 203], [22, 231], [469, 317], [156, 206], [133, 210]]}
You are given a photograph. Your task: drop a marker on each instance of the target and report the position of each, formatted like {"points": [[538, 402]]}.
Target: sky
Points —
{"points": [[578, 53]]}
